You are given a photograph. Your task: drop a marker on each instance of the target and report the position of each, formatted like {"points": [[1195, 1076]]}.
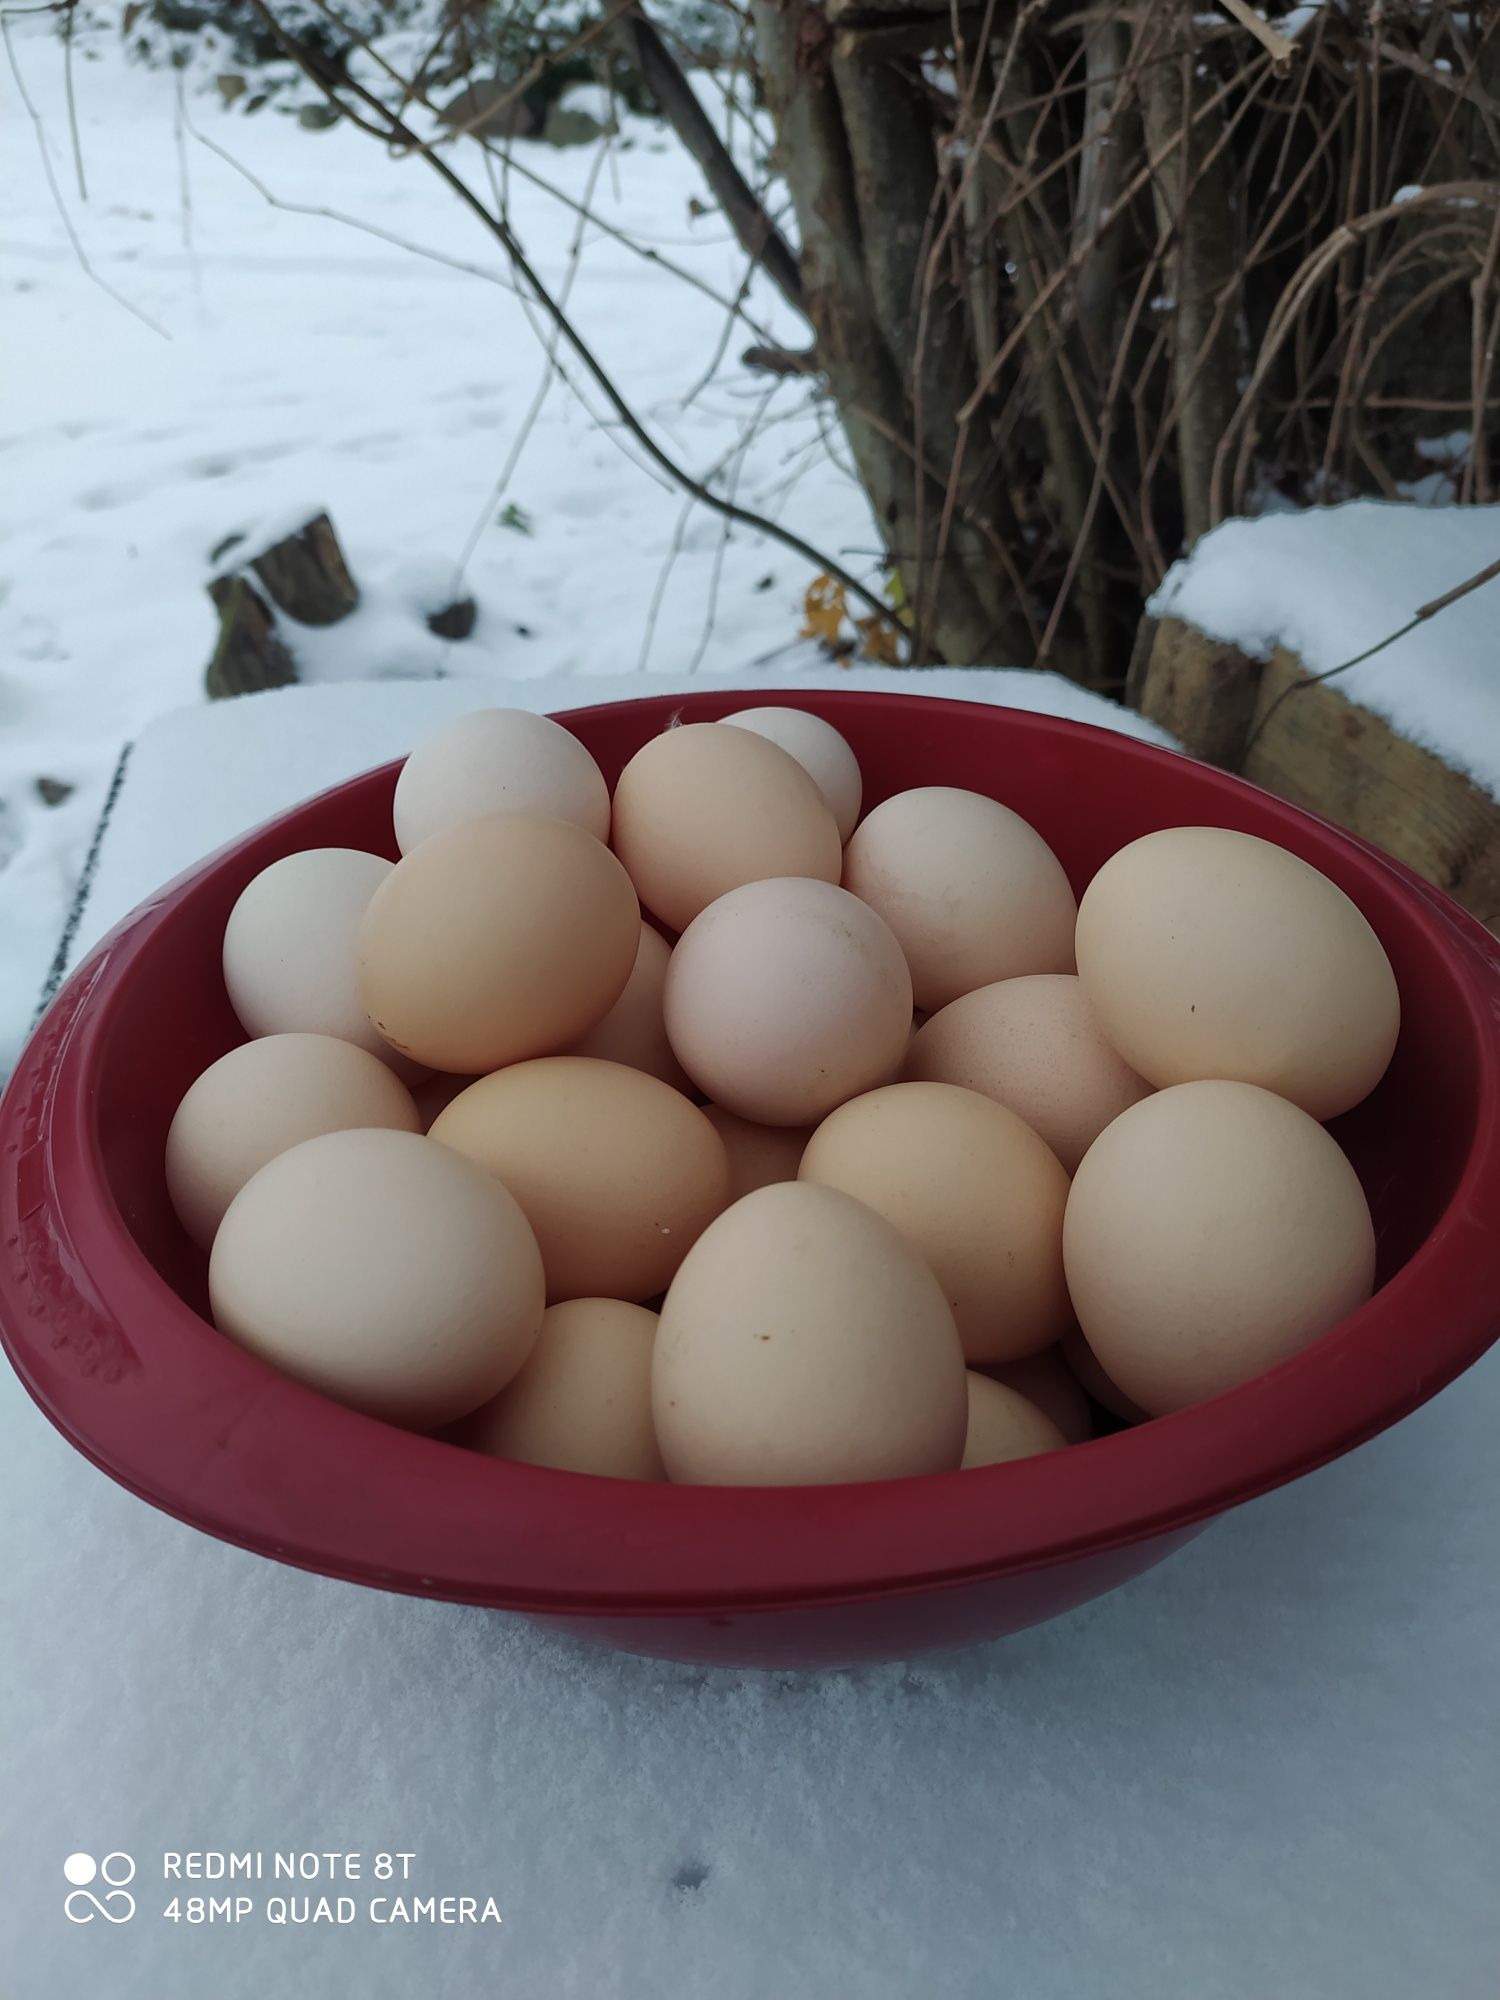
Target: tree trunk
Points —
{"points": [[743, 211], [858, 157], [1195, 207]]}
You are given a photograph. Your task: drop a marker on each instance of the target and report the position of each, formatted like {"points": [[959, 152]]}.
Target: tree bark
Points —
{"points": [[305, 575], [1194, 202], [857, 311], [745, 214], [248, 655]]}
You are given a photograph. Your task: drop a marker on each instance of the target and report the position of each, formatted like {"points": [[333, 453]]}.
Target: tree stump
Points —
{"points": [[306, 576], [302, 577], [249, 656]]}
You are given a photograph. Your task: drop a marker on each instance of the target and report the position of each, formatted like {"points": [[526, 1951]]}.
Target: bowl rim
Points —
{"points": [[156, 1398]]}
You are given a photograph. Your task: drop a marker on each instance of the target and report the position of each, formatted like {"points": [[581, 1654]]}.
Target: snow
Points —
{"points": [[313, 365], [1269, 1767], [1300, 18], [230, 765], [1451, 448], [1332, 581]]}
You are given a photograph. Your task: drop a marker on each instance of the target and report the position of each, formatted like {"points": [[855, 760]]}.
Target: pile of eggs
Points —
{"points": [[716, 1134]]}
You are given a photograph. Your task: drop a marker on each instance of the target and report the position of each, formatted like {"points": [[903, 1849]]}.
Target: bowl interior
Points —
{"points": [[102, 1297], [1085, 791]]}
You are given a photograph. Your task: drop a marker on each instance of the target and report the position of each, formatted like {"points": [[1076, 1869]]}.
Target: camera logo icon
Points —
{"points": [[114, 1903]]}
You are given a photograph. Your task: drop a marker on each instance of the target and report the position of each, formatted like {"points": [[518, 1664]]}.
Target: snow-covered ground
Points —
{"points": [[1331, 583], [303, 363], [257, 362]]}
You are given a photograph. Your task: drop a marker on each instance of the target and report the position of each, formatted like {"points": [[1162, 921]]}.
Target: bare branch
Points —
{"points": [[135, 311], [1275, 44], [1420, 617], [762, 241], [395, 128]]}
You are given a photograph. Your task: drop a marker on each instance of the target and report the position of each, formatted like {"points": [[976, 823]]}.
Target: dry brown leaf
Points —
{"points": [[824, 608], [879, 640]]}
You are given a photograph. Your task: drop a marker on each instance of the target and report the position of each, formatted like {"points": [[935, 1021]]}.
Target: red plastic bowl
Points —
{"points": [[102, 1297]]}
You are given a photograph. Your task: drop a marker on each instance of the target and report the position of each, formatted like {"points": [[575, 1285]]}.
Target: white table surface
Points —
{"points": [[1269, 1770]]}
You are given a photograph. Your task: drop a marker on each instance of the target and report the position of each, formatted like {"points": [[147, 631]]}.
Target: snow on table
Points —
{"points": [[1328, 582], [1270, 1767], [214, 772], [311, 365]]}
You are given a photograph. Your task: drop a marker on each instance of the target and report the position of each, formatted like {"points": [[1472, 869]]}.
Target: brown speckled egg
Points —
{"points": [[582, 1400], [634, 1031], [1212, 1230], [383, 1270], [786, 997], [259, 1100], [804, 1342], [291, 949], [1083, 1365], [971, 891], [616, 1172], [1211, 954], [702, 809], [1034, 1046], [498, 760], [973, 1190], [498, 940], [1003, 1425], [819, 749], [1046, 1380]]}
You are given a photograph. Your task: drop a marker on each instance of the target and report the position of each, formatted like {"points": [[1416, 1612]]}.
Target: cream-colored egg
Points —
{"points": [[1046, 1380], [498, 760], [1208, 953], [1083, 1365], [1212, 1231], [819, 749], [291, 949], [383, 1270], [971, 891], [803, 1342], [701, 810], [1003, 1425], [616, 1172], [582, 1400], [973, 1190], [634, 1031], [1034, 1046], [262, 1098], [786, 997], [759, 1155], [498, 940]]}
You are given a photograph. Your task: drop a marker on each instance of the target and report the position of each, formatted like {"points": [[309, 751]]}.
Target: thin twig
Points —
{"points": [[1420, 617], [488, 273], [549, 371], [79, 252], [184, 182], [68, 19], [1276, 45], [505, 236]]}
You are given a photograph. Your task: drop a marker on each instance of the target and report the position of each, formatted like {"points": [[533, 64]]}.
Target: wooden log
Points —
{"points": [[1319, 749], [302, 577], [1324, 751], [249, 655], [305, 575], [1202, 690]]}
